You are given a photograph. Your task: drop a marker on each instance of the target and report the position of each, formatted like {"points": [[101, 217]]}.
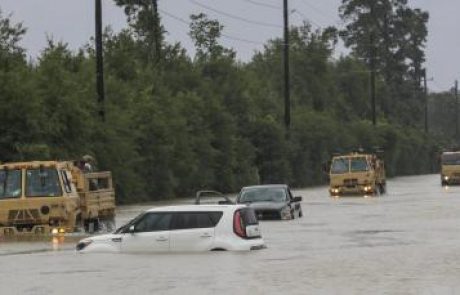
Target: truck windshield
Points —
{"points": [[253, 195], [450, 159], [340, 165], [10, 184], [358, 164], [43, 183]]}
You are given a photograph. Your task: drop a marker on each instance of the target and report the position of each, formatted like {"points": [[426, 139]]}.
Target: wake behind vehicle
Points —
{"points": [[450, 168], [182, 228], [52, 197], [357, 173], [273, 201]]}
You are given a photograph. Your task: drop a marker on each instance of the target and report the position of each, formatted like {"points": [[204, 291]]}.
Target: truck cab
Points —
{"points": [[357, 174], [54, 197], [450, 168], [37, 198]]}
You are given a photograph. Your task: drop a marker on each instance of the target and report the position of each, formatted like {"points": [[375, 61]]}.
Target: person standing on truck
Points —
{"points": [[87, 164]]}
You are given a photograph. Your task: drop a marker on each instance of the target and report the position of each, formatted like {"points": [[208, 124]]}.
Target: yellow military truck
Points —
{"points": [[53, 197], [357, 173], [450, 168]]}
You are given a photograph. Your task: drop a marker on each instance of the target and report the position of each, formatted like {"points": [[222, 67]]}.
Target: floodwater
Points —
{"points": [[405, 242]]}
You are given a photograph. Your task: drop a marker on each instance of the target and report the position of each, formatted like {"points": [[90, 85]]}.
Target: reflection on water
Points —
{"points": [[35, 244], [57, 242], [404, 242]]}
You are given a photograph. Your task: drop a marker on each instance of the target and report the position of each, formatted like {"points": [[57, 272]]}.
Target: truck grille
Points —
{"points": [[23, 216], [350, 182]]}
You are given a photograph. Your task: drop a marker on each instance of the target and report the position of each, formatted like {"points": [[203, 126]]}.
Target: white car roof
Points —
{"points": [[197, 208]]}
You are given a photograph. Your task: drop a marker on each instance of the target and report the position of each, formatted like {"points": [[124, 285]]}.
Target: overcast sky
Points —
{"points": [[72, 21]]}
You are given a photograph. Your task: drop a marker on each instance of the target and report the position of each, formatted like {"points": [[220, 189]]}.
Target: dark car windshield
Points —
{"points": [[42, 183], [263, 194], [450, 159], [10, 184]]}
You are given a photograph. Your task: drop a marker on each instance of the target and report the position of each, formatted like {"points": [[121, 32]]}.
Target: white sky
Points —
{"points": [[72, 21]]}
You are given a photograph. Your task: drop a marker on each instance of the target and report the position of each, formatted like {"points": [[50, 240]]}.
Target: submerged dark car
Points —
{"points": [[270, 202]]}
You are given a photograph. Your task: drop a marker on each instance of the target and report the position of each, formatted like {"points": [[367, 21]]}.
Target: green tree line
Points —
{"points": [[177, 123]]}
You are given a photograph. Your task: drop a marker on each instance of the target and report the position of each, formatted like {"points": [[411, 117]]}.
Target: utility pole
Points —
{"points": [[372, 66], [456, 109], [156, 30], [99, 61], [287, 98], [372, 73], [425, 92]]}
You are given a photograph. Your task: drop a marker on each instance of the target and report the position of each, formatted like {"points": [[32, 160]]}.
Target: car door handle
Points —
{"points": [[206, 235], [117, 239], [162, 239]]}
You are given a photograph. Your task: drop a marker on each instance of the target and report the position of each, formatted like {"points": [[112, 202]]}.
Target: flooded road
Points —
{"points": [[405, 242]]}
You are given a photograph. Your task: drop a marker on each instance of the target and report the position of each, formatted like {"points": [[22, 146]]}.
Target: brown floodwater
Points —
{"points": [[404, 242]]}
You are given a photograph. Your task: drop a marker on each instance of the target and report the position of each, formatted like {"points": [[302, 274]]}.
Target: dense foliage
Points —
{"points": [[176, 124]]}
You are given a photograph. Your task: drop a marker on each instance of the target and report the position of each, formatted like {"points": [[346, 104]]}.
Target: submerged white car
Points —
{"points": [[183, 228]]}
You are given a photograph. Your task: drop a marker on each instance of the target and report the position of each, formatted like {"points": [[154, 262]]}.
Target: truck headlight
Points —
{"points": [[446, 177], [57, 230]]}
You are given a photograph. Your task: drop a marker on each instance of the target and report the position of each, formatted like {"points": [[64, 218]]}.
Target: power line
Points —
{"points": [[235, 16], [230, 37], [174, 17], [320, 11], [264, 4], [303, 15], [440, 87], [179, 19], [306, 18], [327, 15]]}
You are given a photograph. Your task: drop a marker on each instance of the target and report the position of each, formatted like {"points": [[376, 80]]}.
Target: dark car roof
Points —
{"points": [[266, 186]]}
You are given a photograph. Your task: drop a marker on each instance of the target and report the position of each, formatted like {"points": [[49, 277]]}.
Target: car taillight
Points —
{"points": [[238, 226]]}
